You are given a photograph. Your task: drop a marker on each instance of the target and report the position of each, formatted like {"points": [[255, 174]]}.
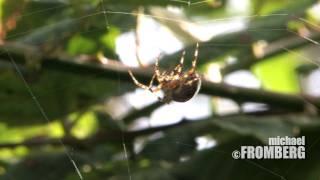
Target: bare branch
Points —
{"points": [[116, 71]]}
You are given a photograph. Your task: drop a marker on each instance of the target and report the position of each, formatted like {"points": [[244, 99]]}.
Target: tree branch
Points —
{"points": [[116, 71], [273, 49]]}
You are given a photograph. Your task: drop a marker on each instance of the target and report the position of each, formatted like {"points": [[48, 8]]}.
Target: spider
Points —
{"points": [[177, 85]]}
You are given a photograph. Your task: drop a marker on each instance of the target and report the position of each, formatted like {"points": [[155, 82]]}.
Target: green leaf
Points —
{"points": [[109, 39], [81, 45], [85, 126], [278, 73]]}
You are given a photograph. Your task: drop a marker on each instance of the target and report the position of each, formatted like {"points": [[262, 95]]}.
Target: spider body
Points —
{"points": [[187, 89], [183, 89], [177, 85]]}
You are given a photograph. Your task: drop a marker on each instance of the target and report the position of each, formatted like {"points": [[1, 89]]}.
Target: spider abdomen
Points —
{"points": [[186, 90], [177, 85]]}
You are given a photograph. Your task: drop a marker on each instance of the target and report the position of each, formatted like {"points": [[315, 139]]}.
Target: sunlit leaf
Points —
{"points": [[278, 73]]}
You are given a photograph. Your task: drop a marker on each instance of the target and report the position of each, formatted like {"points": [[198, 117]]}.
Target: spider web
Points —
{"points": [[105, 14]]}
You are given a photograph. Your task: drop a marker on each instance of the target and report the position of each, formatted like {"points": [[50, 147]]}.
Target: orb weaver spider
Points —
{"points": [[177, 85]]}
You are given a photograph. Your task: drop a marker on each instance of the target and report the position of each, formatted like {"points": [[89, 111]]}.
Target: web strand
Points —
{"points": [[266, 169], [123, 139], [105, 14], [126, 157], [189, 3], [42, 111], [119, 89]]}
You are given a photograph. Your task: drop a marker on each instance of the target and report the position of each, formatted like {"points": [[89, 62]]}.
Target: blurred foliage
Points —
{"points": [[278, 73], [77, 106]]}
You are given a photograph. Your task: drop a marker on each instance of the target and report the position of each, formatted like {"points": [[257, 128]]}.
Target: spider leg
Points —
{"points": [[151, 82], [194, 62], [158, 88], [157, 71], [155, 89], [136, 82], [190, 82], [178, 68], [152, 90]]}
